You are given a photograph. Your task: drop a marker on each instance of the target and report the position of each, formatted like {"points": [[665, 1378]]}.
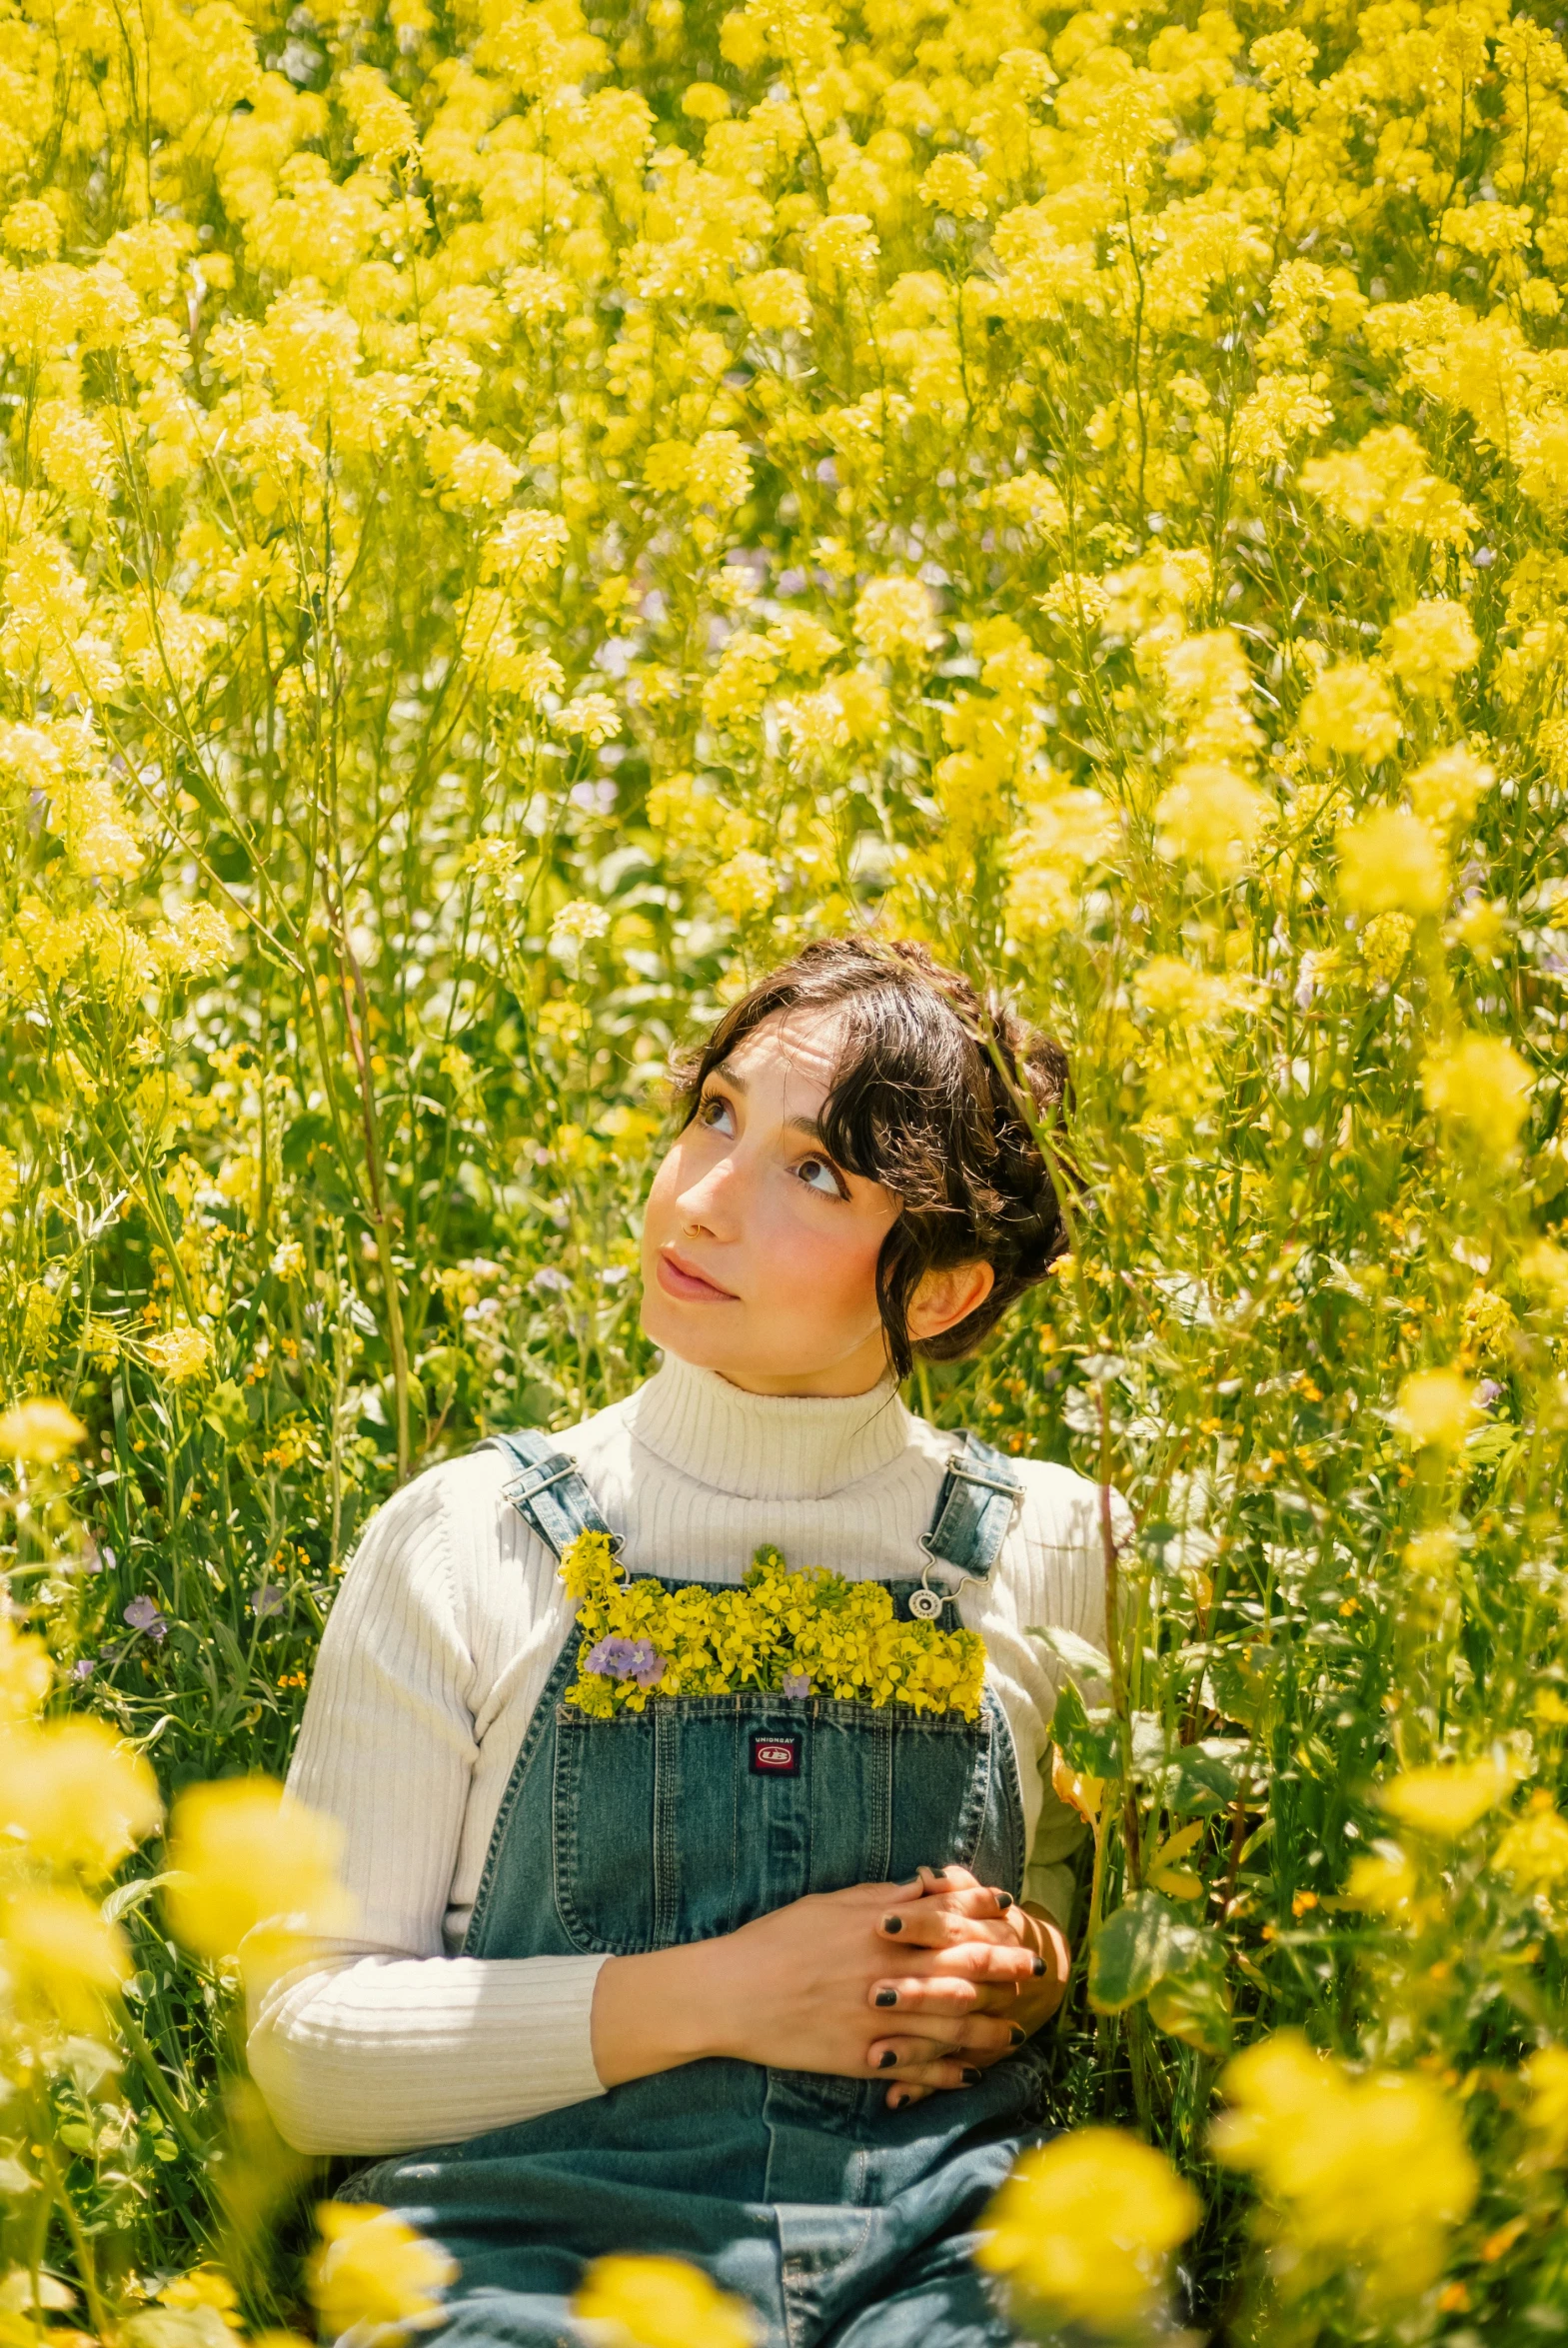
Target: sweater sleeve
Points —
{"points": [[382, 2043]]}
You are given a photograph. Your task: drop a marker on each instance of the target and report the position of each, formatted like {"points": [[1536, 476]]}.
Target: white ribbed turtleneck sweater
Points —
{"points": [[443, 1635]]}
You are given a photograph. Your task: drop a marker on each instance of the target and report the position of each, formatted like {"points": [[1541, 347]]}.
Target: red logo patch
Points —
{"points": [[776, 1757]]}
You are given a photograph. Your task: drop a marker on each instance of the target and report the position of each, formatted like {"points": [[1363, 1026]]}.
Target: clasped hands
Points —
{"points": [[932, 1981]]}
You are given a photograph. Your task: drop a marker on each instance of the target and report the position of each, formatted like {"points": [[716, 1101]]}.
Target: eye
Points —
{"points": [[715, 1111], [818, 1174]]}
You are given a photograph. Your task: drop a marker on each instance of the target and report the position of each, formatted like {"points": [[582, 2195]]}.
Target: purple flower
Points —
{"points": [[1488, 1393], [143, 1614], [82, 1668], [798, 1683], [268, 1599], [627, 1658]]}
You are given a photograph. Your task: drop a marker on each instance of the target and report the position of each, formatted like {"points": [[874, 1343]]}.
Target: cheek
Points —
{"points": [[824, 1264], [662, 1191]]}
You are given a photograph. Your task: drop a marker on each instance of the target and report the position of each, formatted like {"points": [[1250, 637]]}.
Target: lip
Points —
{"points": [[682, 1280]]}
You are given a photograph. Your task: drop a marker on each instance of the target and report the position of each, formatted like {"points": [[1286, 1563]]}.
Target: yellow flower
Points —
{"points": [[63, 1960], [252, 1873], [180, 1355], [744, 886], [1436, 1408], [1385, 944], [1381, 1880], [1083, 2227], [661, 2303], [1446, 791], [1431, 644], [1348, 711], [1374, 2170], [953, 184], [1546, 2076], [205, 2286], [372, 2280], [1391, 863], [1446, 1801], [26, 1674], [1479, 1083], [895, 618], [40, 1430], [577, 922], [74, 1795], [776, 299], [1210, 816], [1534, 1849]]}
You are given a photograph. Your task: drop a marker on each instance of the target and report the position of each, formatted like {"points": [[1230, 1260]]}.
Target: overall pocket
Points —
{"points": [[698, 1814]]}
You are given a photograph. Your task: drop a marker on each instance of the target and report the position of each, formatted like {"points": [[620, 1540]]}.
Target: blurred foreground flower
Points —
{"points": [[1436, 1408], [63, 1960], [74, 1797], [659, 2303], [251, 1874], [1446, 1799], [40, 1430], [373, 2280], [1083, 2227], [1370, 2171]]}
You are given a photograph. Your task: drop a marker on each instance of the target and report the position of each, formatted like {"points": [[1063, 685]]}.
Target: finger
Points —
{"points": [[944, 1993], [937, 1922], [899, 2096], [959, 1885], [944, 2071], [932, 2038], [996, 1962]]}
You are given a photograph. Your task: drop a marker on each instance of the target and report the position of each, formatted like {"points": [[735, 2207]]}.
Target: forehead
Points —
{"points": [[795, 1048]]}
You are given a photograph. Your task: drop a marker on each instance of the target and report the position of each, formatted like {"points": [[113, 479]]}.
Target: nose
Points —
{"points": [[712, 1201]]}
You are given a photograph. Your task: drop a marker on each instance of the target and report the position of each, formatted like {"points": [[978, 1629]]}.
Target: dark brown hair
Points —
{"points": [[918, 1104]]}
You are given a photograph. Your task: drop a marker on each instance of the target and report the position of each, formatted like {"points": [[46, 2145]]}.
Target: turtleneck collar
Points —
{"points": [[768, 1446]]}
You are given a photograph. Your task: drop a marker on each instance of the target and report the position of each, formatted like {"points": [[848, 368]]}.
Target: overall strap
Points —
{"points": [[548, 1491], [979, 1494]]}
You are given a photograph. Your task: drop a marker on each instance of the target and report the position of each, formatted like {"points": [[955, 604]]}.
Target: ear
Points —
{"points": [[943, 1298]]}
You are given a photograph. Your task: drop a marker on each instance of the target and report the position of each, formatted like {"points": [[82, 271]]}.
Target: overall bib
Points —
{"points": [[845, 2225]]}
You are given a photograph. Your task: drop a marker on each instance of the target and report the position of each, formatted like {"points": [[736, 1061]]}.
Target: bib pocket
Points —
{"points": [[698, 1814]]}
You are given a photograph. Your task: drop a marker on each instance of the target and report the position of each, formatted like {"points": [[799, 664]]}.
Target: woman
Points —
{"points": [[751, 1976]]}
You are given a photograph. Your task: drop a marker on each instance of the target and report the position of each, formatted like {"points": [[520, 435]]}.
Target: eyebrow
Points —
{"points": [[808, 1127]]}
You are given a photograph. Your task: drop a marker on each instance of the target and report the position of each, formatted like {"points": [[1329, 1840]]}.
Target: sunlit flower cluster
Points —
{"points": [[791, 1634]]}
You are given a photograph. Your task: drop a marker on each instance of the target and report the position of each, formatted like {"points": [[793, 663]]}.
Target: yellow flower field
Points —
{"points": [[511, 520]]}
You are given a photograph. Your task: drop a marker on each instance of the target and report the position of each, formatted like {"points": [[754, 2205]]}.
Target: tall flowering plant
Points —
{"points": [[512, 518]]}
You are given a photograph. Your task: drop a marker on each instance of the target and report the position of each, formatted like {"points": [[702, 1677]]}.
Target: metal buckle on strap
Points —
{"points": [[990, 1483]]}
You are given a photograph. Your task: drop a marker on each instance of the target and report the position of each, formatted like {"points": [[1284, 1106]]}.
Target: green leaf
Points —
{"points": [[1086, 1740], [1080, 1655], [1192, 2000], [228, 1414], [127, 1896], [1206, 1778], [1131, 1952]]}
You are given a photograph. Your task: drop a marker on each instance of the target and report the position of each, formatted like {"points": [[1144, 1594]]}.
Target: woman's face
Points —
{"points": [[759, 1252]]}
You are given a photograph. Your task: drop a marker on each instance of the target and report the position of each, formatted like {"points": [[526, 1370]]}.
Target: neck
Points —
{"points": [[768, 1446]]}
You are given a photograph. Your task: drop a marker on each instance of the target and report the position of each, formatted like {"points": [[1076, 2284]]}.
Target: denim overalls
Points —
{"points": [[840, 2221]]}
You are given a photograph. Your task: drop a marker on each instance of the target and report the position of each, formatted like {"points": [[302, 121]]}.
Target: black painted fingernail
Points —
{"points": [[938, 1871], [1018, 2037], [972, 2078], [1040, 1968], [887, 1996], [886, 2059], [1004, 1900], [893, 1923], [895, 2101]]}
